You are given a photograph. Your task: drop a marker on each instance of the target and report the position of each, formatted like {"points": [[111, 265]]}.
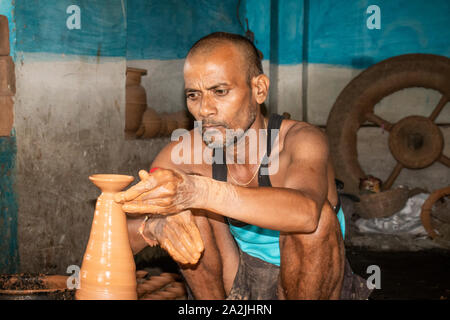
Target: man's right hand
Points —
{"points": [[178, 235]]}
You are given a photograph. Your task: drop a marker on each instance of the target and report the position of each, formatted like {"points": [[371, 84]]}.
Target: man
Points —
{"points": [[264, 229]]}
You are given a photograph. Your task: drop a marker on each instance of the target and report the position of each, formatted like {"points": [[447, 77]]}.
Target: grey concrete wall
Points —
{"points": [[69, 118]]}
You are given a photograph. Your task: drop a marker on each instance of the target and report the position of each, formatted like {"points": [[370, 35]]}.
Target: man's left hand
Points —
{"points": [[163, 191]]}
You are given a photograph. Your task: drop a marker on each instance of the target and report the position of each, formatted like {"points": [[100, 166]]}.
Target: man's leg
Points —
{"points": [[312, 265], [213, 276]]}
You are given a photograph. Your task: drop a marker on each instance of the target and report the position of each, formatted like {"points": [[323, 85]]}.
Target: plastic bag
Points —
{"points": [[406, 220]]}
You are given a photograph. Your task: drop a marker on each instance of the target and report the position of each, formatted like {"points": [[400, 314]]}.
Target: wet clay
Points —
{"points": [[108, 271]]}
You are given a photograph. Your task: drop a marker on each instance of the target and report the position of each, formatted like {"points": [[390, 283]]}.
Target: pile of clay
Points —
{"points": [[27, 286]]}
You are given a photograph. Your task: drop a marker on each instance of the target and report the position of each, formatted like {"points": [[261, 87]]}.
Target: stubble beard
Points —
{"points": [[210, 136]]}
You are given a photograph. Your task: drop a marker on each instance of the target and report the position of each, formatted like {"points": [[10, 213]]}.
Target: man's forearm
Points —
{"points": [[294, 212]]}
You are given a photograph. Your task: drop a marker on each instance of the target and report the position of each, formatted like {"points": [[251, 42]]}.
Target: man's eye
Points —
{"points": [[192, 95], [221, 92]]}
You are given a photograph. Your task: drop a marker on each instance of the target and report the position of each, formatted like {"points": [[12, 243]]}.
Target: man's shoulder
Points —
{"points": [[300, 134]]}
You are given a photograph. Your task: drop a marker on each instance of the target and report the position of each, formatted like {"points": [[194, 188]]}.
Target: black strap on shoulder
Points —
{"points": [[219, 170], [274, 124]]}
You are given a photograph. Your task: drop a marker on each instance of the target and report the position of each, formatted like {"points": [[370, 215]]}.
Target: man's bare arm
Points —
{"points": [[298, 203]]}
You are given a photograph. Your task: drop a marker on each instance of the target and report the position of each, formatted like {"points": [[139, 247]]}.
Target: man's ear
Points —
{"points": [[260, 86]]}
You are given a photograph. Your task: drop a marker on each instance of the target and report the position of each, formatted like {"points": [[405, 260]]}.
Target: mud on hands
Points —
{"points": [[162, 192], [164, 195]]}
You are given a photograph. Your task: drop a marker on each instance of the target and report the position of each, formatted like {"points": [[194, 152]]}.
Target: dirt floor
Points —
{"points": [[406, 275], [411, 268]]}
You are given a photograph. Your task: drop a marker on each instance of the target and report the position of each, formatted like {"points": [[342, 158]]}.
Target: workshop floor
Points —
{"points": [[406, 274]]}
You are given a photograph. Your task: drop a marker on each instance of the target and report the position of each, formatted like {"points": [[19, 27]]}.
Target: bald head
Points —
{"points": [[250, 55]]}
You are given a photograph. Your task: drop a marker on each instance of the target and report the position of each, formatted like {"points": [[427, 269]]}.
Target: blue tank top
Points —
{"points": [[265, 243], [255, 241]]}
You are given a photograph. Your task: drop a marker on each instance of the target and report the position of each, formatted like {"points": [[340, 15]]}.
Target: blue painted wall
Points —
{"points": [[9, 252], [338, 33], [41, 27], [336, 30], [167, 29]]}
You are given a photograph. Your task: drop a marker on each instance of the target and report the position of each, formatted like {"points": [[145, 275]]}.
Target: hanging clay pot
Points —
{"points": [[136, 99], [108, 271], [150, 126]]}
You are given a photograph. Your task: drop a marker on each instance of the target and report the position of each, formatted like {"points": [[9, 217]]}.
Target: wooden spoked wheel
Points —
{"points": [[415, 142]]}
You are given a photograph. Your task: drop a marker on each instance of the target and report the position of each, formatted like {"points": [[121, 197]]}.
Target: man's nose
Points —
{"points": [[207, 107]]}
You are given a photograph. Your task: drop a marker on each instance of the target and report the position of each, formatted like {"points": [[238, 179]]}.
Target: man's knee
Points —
{"points": [[312, 263], [327, 231]]}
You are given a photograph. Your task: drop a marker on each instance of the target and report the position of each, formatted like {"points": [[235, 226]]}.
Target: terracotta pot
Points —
{"points": [[136, 99], [182, 119], [108, 271], [171, 123], [4, 36], [6, 116], [150, 126], [164, 130], [7, 76]]}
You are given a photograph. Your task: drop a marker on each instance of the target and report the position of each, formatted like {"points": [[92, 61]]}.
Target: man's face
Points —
{"points": [[218, 94]]}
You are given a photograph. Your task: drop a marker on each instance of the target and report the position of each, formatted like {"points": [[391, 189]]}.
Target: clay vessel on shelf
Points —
{"points": [[4, 36], [171, 124], [163, 131], [168, 124], [182, 119], [108, 271], [6, 115], [136, 99], [150, 126]]}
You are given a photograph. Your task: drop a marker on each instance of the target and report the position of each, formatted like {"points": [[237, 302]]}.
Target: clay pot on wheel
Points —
{"points": [[108, 271]]}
